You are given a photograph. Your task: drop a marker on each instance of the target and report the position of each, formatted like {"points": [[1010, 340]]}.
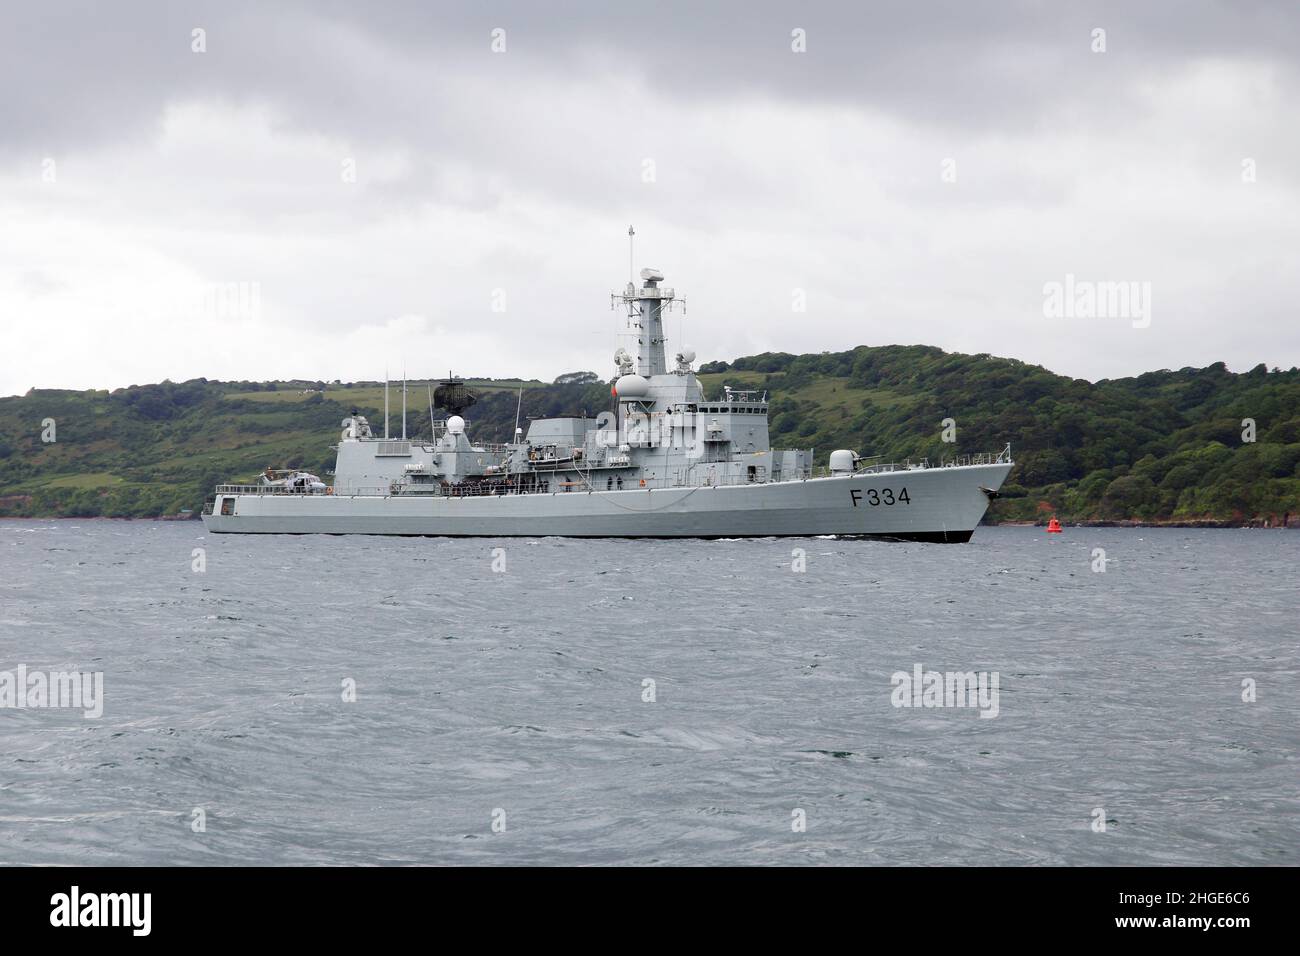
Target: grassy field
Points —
{"points": [[373, 395], [94, 479]]}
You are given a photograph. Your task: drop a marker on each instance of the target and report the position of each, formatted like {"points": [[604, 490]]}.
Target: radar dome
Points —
{"points": [[456, 425], [632, 386]]}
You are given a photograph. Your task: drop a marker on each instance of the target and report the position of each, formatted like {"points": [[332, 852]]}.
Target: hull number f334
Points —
{"points": [[879, 496]]}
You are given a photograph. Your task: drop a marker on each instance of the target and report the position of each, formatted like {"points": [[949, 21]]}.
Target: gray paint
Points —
{"points": [[675, 465]]}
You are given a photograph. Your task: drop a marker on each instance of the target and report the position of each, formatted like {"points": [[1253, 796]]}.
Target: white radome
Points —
{"points": [[632, 386], [456, 425]]}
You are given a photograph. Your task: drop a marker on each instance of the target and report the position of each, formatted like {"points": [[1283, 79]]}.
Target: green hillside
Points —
{"points": [[1165, 446]]}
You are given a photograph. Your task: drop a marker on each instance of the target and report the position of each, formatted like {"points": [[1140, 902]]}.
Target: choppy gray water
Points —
{"points": [[521, 691]]}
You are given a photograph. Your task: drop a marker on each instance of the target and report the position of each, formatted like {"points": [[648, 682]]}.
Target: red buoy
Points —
{"points": [[1054, 526]]}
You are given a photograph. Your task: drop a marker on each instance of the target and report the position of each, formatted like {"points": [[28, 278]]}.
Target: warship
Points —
{"points": [[666, 461]]}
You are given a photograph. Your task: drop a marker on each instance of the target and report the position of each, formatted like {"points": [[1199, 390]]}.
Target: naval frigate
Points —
{"points": [[666, 462]]}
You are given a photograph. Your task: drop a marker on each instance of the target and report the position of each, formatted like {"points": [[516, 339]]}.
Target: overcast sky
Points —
{"points": [[332, 188]]}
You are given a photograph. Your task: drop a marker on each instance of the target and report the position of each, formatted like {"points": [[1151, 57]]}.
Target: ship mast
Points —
{"points": [[645, 309]]}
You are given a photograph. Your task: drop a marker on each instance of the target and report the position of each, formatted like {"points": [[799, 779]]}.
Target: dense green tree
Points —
{"points": [[1163, 445]]}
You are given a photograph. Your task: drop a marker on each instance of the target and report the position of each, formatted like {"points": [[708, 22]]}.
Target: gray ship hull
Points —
{"points": [[930, 504]]}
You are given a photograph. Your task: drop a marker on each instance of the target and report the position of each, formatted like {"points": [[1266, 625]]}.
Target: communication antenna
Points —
{"points": [[631, 257], [385, 403], [514, 436], [403, 403], [429, 386]]}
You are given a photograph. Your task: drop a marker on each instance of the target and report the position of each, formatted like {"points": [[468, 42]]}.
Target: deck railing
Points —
{"points": [[263, 490], [873, 465]]}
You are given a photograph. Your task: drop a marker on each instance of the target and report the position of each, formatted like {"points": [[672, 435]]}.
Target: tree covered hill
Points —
{"points": [[1164, 446]]}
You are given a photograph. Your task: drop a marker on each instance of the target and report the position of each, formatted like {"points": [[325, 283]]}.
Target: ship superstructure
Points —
{"points": [[665, 461]]}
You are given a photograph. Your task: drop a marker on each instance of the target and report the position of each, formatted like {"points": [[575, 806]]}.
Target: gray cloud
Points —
{"points": [[774, 171], [89, 70]]}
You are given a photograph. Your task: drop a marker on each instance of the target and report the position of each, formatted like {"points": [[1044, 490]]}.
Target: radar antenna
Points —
{"points": [[453, 395]]}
